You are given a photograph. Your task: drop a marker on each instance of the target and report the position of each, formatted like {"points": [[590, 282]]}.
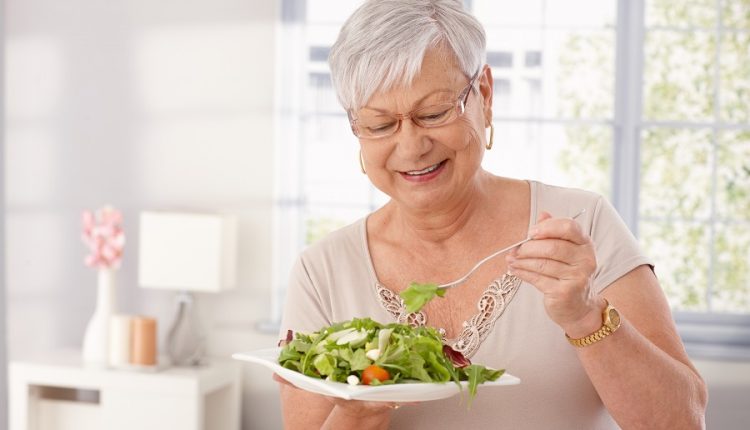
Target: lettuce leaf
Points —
{"points": [[417, 295]]}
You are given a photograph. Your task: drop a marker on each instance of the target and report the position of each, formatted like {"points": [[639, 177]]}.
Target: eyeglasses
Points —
{"points": [[384, 124]]}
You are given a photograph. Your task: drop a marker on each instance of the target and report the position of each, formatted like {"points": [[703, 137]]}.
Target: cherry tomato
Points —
{"points": [[373, 372]]}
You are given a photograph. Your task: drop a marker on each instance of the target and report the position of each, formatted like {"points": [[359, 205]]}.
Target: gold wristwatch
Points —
{"points": [[610, 323]]}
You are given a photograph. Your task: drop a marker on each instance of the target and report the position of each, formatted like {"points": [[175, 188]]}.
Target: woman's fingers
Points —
{"points": [[558, 228], [543, 216], [543, 266], [281, 380], [553, 249], [360, 408], [560, 263]]}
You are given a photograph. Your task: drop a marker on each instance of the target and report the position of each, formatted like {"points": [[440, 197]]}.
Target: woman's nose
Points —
{"points": [[412, 140]]}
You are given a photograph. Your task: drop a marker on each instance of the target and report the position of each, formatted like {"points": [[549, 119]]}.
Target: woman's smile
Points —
{"points": [[425, 174]]}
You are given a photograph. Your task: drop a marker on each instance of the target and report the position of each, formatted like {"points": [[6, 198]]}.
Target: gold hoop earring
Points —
{"points": [[362, 163], [488, 146]]}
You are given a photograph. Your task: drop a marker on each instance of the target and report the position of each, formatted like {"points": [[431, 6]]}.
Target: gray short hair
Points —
{"points": [[382, 44]]}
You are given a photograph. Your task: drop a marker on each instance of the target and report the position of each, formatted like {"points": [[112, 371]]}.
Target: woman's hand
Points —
{"points": [[361, 409], [560, 263]]}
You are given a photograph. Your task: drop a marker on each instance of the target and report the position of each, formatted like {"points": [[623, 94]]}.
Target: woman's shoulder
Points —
{"points": [[559, 200], [347, 241]]}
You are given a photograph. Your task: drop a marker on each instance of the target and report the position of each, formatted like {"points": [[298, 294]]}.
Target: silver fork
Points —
{"points": [[462, 279]]}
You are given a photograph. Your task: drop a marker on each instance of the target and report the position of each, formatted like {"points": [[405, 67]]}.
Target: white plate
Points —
{"points": [[412, 392]]}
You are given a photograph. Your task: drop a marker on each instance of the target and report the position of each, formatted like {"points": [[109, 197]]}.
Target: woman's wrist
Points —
{"points": [[587, 324]]}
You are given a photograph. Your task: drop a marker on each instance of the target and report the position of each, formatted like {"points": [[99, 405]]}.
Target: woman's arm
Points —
{"points": [[304, 410], [641, 371]]}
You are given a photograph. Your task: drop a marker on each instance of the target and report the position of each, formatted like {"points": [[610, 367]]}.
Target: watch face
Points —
{"points": [[614, 317]]}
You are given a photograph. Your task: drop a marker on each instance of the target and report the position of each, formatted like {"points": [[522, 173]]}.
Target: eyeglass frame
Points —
{"points": [[459, 106]]}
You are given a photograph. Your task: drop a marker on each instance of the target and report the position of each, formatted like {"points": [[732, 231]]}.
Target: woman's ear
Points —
{"points": [[485, 90]]}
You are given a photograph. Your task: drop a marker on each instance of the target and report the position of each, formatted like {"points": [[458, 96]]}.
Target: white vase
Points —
{"points": [[96, 338]]}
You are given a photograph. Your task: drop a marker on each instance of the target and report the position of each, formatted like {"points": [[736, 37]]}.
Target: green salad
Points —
{"points": [[363, 351]]}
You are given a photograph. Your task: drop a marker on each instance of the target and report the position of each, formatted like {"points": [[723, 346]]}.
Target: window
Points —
{"points": [[501, 96], [644, 101], [695, 160], [500, 59], [533, 59]]}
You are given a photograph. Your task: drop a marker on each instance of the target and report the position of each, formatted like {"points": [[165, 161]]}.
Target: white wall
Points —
{"points": [[141, 104], [728, 393], [3, 321]]}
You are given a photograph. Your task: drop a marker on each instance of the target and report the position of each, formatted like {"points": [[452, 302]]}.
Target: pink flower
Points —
{"points": [[103, 235]]}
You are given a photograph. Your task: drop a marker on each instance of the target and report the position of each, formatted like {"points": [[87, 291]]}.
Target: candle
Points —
{"points": [[119, 340], [143, 346]]}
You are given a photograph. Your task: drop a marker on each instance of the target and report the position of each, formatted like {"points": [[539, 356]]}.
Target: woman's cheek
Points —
{"points": [[461, 137]]}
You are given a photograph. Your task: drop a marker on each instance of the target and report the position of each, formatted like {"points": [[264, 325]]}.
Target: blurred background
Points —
{"points": [[227, 105]]}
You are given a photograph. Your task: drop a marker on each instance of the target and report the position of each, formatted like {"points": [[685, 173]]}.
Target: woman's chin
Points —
{"points": [[424, 200]]}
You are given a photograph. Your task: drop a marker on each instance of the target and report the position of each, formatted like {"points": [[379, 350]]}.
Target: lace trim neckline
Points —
{"points": [[491, 305]]}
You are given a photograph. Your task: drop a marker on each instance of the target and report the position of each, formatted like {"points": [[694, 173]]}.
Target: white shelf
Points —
{"points": [[58, 391]]}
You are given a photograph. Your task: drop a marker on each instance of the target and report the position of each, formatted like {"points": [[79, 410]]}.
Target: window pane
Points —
{"points": [[736, 14], [681, 13], [678, 76], [505, 13], [555, 74], [331, 163], [731, 291], [319, 53], [680, 254], [501, 97], [733, 176], [582, 66], [538, 13], [533, 59], [735, 76], [500, 59], [566, 155], [580, 13], [520, 88], [330, 11], [321, 36], [675, 174], [321, 220], [321, 97]]}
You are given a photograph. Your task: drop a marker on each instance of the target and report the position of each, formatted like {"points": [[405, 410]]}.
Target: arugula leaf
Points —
{"points": [[417, 295], [479, 374]]}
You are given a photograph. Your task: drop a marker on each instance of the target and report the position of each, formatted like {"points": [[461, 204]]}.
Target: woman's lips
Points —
{"points": [[424, 174]]}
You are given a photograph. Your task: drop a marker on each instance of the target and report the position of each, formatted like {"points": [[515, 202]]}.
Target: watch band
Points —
{"points": [[594, 337], [605, 330]]}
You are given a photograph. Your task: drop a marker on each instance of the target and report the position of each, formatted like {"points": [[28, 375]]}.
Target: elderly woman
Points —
{"points": [[576, 313]]}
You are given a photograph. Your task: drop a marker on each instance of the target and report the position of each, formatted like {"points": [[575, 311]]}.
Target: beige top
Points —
{"points": [[334, 280]]}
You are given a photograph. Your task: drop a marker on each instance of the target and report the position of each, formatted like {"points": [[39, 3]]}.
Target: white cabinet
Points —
{"points": [[60, 393]]}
